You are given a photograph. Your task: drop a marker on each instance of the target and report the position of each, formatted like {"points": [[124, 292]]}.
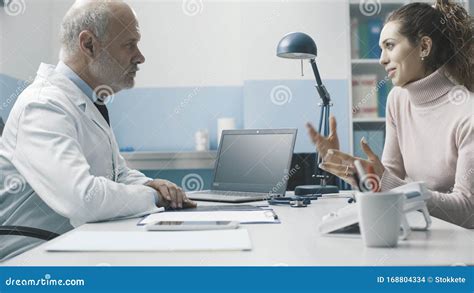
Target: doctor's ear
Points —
{"points": [[88, 43]]}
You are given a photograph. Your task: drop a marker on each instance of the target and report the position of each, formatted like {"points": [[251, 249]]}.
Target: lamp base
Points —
{"points": [[315, 189]]}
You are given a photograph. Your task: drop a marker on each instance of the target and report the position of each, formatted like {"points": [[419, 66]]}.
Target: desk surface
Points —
{"points": [[295, 242]]}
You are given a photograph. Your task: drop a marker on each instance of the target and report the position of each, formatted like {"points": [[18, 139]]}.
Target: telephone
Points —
{"points": [[346, 219]]}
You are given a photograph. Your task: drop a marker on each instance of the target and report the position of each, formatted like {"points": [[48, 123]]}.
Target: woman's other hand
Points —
{"points": [[323, 144], [342, 164]]}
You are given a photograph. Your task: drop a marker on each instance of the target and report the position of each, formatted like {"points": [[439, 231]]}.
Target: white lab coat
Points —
{"points": [[65, 161]]}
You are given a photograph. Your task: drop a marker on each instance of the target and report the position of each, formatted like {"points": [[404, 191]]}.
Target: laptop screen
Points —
{"points": [[254, 160]]}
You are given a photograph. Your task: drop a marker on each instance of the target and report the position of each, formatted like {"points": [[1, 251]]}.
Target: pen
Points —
{"points": [[369, 182], [371, 173], [370, 169], [357, 180], [275, 216], [359, 169], [271, 213]]}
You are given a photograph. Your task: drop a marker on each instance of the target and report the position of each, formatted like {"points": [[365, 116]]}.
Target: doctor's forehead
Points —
{"points": [[123, 24]]}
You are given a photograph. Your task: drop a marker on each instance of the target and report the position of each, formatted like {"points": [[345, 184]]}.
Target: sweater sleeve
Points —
{"points": [[457, 206], [392, 158]]}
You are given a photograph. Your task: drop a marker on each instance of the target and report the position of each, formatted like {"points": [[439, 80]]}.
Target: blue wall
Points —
{"points": [[165, 119], [10, 88], [292, 103]]}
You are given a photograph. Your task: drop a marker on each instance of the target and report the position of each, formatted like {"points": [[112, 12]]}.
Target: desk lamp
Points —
{"points": [[299, 45]]}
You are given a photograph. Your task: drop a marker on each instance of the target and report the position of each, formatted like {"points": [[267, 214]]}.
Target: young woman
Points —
{"points": [[427, 52]]}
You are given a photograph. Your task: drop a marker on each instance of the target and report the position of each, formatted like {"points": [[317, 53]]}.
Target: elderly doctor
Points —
{"points": [[60, 165]]}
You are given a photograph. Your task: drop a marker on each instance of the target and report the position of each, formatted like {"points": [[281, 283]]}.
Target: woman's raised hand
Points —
{"points": [[323, 144]]}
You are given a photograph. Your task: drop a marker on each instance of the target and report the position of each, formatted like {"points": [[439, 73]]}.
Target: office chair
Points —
{"points": [[28, 232], [304, 174], [21, 230]]}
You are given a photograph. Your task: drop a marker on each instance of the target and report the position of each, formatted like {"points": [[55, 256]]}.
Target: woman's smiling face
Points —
{"points": [[399, 57]]}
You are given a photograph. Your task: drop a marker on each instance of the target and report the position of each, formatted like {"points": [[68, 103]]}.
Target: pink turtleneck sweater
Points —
{"points": [[430, 138]]}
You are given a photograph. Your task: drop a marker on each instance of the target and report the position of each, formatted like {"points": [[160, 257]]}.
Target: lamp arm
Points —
{"points": [[323, 118], [316, 72], [323, 93]]}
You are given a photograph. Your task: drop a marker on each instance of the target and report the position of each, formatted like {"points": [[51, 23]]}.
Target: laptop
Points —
{"points": [[251, 165]]}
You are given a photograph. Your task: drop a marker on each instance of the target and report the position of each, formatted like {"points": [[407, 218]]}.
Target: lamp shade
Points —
{"points": [[297, 46]]}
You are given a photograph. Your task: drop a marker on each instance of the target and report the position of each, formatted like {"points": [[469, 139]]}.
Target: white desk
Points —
{"points": [[294, 242]]}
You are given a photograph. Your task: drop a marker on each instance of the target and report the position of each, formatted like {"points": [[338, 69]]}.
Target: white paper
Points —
{"points": [[238, 216], [237, 239]]}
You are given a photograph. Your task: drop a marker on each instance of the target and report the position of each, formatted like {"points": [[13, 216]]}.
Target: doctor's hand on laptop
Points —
{"points": [[170, 195]]}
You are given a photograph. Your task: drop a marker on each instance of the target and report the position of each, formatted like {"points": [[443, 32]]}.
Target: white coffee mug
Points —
{"points": [[224, 124], [380, 217], [202, 140]]}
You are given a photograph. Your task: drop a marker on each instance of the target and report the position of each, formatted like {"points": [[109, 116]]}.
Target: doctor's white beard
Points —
{"points": [[107, 71]]}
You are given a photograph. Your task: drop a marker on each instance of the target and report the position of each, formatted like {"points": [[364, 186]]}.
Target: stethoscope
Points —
{"points": [[295, 201], [298, 201]]}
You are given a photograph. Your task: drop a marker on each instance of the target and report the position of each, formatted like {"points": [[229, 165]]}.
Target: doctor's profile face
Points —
{"points": [[117, 62], [399, 57]]}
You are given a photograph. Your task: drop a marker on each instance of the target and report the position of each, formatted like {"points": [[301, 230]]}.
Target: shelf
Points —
{"points": [[401, 2], [369, 120], [170, 160], [365, 61]]}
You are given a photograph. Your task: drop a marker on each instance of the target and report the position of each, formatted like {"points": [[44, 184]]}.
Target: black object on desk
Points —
{"points": [[302, 180], [1, 126]]}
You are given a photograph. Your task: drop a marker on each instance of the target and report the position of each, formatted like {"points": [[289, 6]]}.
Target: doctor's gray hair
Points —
{"points": [[84, 15]]}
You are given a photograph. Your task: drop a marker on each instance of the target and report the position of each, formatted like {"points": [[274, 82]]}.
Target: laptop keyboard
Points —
{"points": [[232, 193]]}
